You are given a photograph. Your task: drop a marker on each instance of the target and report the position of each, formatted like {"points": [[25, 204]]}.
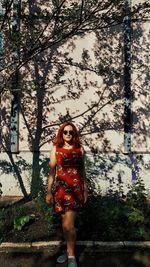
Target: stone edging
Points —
{"points": [[87, 244]]}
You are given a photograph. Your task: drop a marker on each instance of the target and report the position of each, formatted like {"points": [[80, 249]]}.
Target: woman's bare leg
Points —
{"points": [[69, 230]]}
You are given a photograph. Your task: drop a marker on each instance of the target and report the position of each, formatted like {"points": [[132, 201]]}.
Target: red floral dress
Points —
{"points": [[68, 186]]}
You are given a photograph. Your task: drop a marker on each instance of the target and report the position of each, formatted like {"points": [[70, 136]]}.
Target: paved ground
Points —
{"points": [[90, 258]]}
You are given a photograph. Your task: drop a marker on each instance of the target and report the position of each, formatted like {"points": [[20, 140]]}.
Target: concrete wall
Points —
{"points": [[82, 79]]}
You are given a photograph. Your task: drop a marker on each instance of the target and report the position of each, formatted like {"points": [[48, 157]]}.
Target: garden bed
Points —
{"points": [[104, 218]]}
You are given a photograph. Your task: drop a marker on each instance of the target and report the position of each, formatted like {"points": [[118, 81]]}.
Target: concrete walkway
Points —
{"points": [[89, 254]]}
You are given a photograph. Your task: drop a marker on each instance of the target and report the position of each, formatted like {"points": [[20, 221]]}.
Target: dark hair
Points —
{"points": [[59, 141]]}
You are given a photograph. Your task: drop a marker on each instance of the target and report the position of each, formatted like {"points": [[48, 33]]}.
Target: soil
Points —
{"points": [[38, 229]]}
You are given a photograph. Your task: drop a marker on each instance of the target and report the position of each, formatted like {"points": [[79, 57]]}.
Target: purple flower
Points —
{"points": [[133, 175], [110, 191], [137, 168], [132, 159]]}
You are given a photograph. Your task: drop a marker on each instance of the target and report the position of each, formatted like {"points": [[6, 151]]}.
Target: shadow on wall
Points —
{"points": [[64, 77]]}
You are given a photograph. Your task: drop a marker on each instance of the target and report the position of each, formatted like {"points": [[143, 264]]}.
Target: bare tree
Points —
{"points": [[47, 45]]}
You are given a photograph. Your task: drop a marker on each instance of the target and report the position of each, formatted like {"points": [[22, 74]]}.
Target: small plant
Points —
{"points": [[135, 217], [46, 209], [20, 222]]}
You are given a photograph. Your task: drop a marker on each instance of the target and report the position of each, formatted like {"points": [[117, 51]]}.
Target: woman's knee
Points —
{"points": [[68, 227], [68, 220]]}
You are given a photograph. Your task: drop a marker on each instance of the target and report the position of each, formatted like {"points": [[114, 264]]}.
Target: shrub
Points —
{"points": [[115, 216]]}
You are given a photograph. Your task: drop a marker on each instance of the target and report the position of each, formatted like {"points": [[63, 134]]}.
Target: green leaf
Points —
{"points": [[20, 222]]}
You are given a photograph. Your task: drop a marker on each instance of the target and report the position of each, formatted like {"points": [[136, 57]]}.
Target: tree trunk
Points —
{"points": [[22, 187], [35, 182]]}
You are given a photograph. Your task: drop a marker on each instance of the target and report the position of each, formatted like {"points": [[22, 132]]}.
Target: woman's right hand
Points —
{"points": [[49, 198]]}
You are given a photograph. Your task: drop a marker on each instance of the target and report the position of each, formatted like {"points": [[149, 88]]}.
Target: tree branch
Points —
{"points": [[6, 13]]}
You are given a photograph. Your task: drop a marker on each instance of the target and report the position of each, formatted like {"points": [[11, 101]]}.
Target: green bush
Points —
{"points": [[115, 216]]}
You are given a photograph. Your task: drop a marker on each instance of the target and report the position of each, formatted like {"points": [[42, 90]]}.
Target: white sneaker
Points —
{"points": [[72, 262], [62, 258]]}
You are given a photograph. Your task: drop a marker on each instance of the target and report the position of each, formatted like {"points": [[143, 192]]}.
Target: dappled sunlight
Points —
{"points": [[140, 88], [65, 61]]}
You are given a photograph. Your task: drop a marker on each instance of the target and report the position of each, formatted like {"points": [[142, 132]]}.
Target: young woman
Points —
{"points": [[67, 186]]}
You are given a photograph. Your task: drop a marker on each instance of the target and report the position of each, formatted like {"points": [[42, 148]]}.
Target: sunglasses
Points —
{"points": [[68, 132]]}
